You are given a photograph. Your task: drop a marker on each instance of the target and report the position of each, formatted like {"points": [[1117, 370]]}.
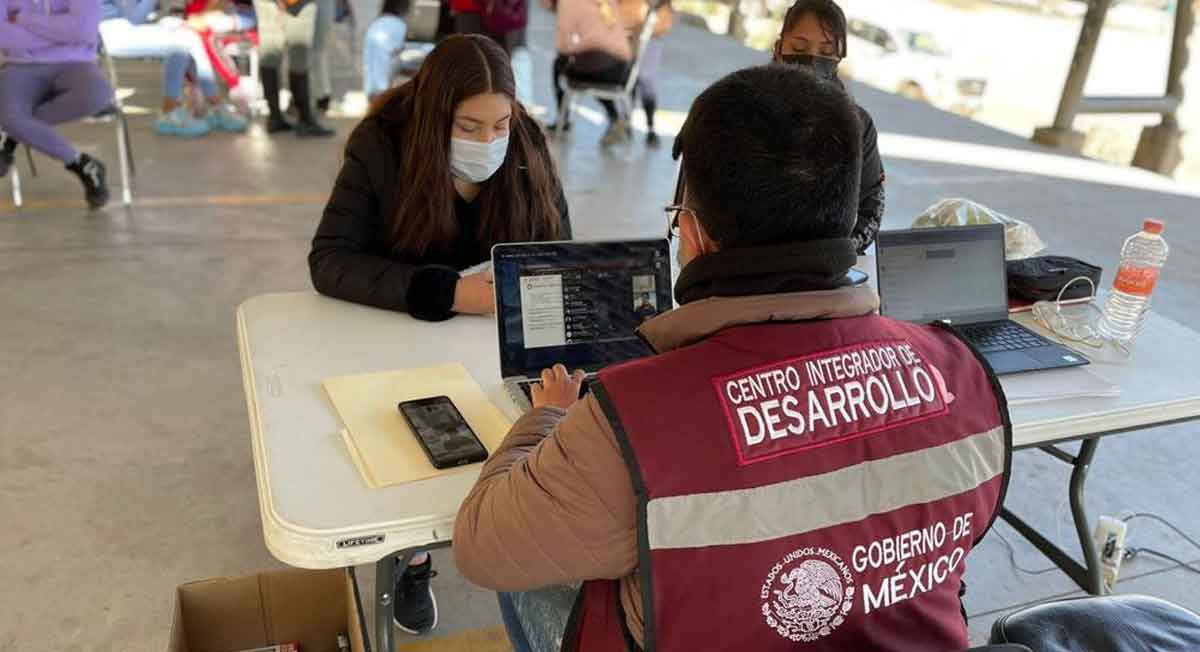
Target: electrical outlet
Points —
{"points": [[1109, 539]]}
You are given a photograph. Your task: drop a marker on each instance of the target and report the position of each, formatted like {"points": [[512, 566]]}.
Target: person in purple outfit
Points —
{"points": [[51, 77]]}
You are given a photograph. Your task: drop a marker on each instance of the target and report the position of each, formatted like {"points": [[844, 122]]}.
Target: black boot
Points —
{"points": [[7, 155], [94, 178], [270, 83], [308, 127]]}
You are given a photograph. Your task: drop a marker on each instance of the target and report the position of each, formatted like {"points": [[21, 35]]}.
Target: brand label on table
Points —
{"points": [[1136, 280], [355, 542]]}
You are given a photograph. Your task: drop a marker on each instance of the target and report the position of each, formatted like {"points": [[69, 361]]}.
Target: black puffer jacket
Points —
{"points": [[350, 257], [871, 195]]}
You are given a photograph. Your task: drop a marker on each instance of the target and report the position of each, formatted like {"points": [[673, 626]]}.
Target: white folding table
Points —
{"points": [[317, 512]]}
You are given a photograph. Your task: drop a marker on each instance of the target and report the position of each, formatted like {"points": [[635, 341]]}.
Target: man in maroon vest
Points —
{"points": [[788, 471]]}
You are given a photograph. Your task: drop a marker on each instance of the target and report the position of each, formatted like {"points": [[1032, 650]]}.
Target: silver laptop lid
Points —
{"points": [[577, 303], [954, 273]]}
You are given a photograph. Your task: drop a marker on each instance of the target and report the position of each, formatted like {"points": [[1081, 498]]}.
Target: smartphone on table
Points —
{"points": [[442, 432]]}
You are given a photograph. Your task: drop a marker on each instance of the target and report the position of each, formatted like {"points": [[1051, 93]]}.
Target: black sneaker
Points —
{"points": [[415, 609], [94, 178], [323, 104], [652, 139]]}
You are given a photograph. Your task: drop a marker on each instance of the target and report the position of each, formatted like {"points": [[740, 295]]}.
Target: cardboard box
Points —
{"points": [[239, 613]]}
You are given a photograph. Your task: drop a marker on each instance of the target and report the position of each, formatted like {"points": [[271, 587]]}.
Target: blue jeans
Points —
{"points": [[384, 39], [536, 620], [171, 40]]}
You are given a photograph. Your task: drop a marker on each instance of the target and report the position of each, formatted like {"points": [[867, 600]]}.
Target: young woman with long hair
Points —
{"points": [[442, 168]]}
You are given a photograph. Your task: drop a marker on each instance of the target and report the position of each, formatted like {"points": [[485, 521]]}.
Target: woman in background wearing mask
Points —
{"points": [[442, 168], [814, 35]]}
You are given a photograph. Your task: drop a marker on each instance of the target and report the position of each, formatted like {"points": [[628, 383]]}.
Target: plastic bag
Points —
{"points": [[1020, 240]]}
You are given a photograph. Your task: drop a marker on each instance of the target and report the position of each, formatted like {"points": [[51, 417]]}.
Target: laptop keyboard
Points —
{"points": [[1001, 336], [527, 387]]}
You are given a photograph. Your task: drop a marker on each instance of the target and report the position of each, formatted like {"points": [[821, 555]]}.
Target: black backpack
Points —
{"points": [[1041, 278]]}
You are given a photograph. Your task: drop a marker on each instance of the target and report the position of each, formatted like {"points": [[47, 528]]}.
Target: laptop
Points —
{"points": [[957, 275], [575, 303]]}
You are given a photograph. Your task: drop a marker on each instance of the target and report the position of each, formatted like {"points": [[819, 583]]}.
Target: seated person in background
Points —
{"points": [[736, 490], [127, 35], [814, 36], [593, 46], [442, 168], [383, 41], [50, 77]]}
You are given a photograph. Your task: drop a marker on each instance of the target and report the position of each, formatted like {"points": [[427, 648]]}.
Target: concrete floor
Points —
{"points": [[124, 460]]}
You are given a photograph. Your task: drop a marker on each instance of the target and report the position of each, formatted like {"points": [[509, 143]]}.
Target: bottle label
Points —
{"points": [[1136, 280]]}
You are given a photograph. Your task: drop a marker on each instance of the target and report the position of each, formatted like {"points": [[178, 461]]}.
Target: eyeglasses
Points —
{"points": [[1080, 327], [1077, 328], [673, 224]]}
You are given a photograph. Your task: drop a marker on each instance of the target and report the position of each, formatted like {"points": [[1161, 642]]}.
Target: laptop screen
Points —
{"points": [[955, 273], [577, 303]]}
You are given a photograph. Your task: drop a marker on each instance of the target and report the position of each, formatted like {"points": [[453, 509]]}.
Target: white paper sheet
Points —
{"points": [[1056, 385]]}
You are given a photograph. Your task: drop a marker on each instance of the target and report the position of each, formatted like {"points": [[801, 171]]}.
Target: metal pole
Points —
{"points": [[1184, 21], [385, 598], [1081, 63]]}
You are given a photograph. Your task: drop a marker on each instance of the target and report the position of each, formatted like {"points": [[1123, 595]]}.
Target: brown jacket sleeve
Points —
{"points": [[554, 504]]}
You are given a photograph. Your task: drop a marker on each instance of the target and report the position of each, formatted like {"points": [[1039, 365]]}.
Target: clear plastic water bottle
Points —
{"points": [[1142, 259]]}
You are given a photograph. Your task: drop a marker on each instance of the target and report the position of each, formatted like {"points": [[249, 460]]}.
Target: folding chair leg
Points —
{"points": [[15, 180], [29, 157], [126, 161]]}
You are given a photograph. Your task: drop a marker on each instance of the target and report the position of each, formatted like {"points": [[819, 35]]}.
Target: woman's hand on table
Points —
{"points": [[475, 294]]}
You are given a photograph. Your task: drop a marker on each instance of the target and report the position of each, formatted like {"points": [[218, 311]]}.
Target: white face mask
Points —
{"points": [[477, 162]]}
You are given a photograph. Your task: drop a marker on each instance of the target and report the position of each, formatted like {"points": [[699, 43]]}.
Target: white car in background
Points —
{"points": [[908, 60]]}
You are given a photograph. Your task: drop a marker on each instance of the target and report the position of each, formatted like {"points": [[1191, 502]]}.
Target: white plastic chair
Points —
{"points": [[621, 94]]}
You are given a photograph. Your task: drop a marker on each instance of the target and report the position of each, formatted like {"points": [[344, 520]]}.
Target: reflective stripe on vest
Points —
{"points": [[763, 513], [804, 486]]}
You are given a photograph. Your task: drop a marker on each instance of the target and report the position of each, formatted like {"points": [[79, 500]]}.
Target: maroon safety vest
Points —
{"points": [[803, 486]]}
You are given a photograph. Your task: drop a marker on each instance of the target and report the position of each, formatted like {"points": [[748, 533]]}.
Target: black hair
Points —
{"points": [[833, 20], [772, 155]]}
